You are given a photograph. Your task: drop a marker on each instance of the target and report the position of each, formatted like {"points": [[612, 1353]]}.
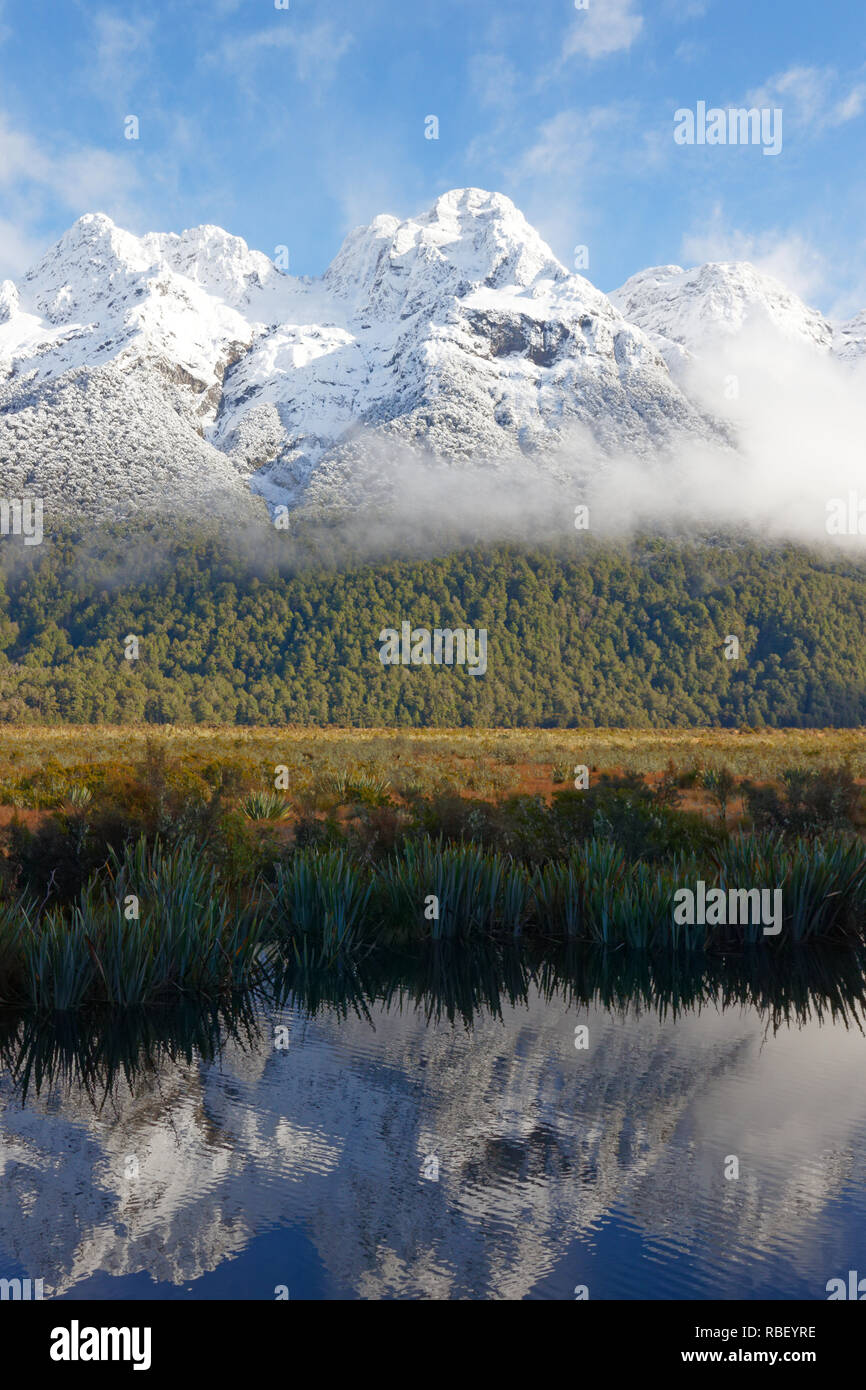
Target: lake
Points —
{"points": [[432, 1131]]}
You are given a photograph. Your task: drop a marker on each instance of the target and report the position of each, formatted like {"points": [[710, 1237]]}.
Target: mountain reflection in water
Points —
{"points": [[186, 1154]]}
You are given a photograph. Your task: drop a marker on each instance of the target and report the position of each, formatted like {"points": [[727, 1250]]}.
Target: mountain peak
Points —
{"points": [[220, 262], [716, 301], [93, 234], [471, 223], [92, 259], [96, 219], [469, 238], [473, 203]]}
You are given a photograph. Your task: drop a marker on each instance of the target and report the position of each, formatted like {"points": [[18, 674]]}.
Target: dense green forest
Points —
{"points": [[270, 632]]}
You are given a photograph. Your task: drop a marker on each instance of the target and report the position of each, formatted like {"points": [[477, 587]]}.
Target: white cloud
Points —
{"points": [[83, 177], [549, 180], [316, 51], [680, 11], [689, 51], [849, 107], [566, 142], [801, 91], [607, 26], [18, 251], [35, 182], [811, 97], [120, 48], [494, 79]]}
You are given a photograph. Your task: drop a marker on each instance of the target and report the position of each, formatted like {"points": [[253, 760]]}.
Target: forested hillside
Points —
{"points": [[594, 635]]}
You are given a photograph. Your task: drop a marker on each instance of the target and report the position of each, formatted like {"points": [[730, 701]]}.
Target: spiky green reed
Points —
{"points": [[465, 882], [158, 924], [156, 927], [318, 903]]}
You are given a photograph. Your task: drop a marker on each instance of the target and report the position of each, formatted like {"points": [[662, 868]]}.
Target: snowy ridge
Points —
{"points": [[185, 372], [687, 313]]}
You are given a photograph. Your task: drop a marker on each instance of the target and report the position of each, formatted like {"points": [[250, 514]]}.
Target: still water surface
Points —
{"points": [[222, 1165]]}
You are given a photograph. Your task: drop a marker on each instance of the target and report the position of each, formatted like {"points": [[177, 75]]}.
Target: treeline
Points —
{"points": [[270, 632]]}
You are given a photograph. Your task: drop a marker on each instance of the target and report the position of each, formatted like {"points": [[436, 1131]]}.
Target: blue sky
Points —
{"points": [[290, 126]]}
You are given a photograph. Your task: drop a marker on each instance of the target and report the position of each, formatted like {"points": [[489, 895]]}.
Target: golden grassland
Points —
{"points": [[481, 762]]}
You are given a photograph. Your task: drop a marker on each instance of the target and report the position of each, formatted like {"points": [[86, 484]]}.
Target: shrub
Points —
{"points": [[265, 806], [810, 801]]}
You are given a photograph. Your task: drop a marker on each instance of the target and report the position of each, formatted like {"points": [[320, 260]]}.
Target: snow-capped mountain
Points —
{"points": [[112, 354], [188, 371], [688, 313], [178, 373], [457, 335]]}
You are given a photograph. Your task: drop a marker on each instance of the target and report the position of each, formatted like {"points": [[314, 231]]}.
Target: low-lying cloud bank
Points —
{"points": [[795, 467]]}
